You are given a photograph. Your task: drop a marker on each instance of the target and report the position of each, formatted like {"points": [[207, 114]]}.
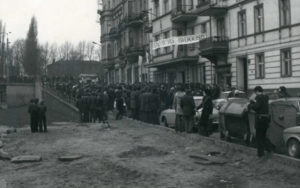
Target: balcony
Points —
{"points": [[108, 62], [148, 27], [169, 59], [114, 33], [104, 12], [135, 20], [132, 53], [215, 46], [180, 15], [211, 8]]}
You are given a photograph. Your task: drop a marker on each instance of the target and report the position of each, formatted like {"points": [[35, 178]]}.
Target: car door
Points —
{"points": [[283, 115]]}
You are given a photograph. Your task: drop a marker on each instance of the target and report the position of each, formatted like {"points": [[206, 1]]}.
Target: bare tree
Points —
{"points": [[81, 49], [64, 51], [53, 53], [18, 54], [90, 50]]}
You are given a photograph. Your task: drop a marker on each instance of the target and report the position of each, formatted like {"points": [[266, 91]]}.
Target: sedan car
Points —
{"points": [[167, 117], [291, 138], [236, 121]]}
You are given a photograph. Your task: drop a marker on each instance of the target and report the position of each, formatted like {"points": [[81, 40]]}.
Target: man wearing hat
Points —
{"points": [[262, 118]]}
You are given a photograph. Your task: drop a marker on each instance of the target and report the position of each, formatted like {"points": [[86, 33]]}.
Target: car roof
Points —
{"points": [[287, 99]]}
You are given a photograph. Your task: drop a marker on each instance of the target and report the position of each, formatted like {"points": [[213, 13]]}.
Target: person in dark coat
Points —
{"points": [[79, 105], [120, 105], [34, 112], [106, 106], [187, 104], [282, 92], [42, 117], [262, 119], [207, 108], [153, 103]]}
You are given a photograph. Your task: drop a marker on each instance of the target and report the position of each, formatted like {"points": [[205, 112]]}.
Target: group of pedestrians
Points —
{"points": [[37, 111]]}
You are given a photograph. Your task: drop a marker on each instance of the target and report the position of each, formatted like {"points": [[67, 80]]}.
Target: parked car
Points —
{"points": [[167, 117], [291, 138], [218, 103], [236, 121]]}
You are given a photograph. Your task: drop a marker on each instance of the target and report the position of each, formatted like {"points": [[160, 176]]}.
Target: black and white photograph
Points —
{"points": [[149, 94]]}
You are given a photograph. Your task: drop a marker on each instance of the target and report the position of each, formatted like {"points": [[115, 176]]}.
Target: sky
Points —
{"points": [[58, 20]]}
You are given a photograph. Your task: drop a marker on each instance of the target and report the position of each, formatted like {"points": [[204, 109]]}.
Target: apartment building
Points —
{"points": [[125, 40], [178, 64], [246, 43]]}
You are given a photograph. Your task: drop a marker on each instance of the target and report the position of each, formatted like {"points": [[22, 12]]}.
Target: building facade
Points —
{"points": [[246, 42], [74, 68], [125, 40]]}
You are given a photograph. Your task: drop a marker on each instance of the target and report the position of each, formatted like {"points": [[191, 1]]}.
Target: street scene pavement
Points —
{"points": [[133, 154]]}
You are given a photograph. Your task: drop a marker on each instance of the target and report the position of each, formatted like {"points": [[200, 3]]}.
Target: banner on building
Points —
{"points": [[189, 39]]}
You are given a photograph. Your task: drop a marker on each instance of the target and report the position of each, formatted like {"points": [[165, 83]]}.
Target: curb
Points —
{"points": [[279, 158]]}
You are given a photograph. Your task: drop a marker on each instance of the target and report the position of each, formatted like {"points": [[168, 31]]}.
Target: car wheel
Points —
{"points": [[164, 122], [293, 148]]}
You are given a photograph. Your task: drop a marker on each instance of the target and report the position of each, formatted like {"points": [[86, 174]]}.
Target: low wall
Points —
{"points": [[19, 94]]}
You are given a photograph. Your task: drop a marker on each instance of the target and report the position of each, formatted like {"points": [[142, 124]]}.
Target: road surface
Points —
{"points": [[133, 154]]}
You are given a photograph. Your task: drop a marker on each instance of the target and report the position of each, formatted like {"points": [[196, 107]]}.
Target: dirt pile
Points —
{"points": [[142, 151]]}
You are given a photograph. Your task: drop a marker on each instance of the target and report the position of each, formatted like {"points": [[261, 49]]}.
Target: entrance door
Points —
{"points": [[242, 73]]}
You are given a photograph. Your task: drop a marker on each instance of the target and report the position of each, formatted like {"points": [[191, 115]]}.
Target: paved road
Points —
{"points": [[133, 154]]}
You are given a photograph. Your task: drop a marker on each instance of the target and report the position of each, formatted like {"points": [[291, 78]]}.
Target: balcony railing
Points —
{"points": [[133, 52], [114, 33], [214, 45], [179, 14], [148, 27], [211, 7], [135, 19]]}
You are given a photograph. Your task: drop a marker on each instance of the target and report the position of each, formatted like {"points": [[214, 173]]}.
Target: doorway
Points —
{"points": [[242, 73]]}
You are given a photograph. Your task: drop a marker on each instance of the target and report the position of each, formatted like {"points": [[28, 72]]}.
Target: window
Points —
{"points": [[285, 9], [131, 38], [156, 8], [157, 51], [221, 27], [242, 27], [192, 46], [259, 18], [191, 7], [167, 35], [286, 63], [203, 28], [260, 65], [166, 6]]}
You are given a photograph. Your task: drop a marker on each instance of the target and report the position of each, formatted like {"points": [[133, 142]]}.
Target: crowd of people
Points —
{"points": [[140, 101]]}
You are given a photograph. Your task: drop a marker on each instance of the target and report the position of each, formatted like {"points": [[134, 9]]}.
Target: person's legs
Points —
{"points": [[260, 141], [44, 123]]}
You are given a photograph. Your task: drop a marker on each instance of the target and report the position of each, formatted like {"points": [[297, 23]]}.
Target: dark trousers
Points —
{"points": [[179, 126], [261, 139], [34, 123], [188, 123], [203, 128], [42, 124]]}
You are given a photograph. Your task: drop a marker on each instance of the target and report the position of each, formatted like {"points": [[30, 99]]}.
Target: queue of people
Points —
{"points": [[140, 101]]}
